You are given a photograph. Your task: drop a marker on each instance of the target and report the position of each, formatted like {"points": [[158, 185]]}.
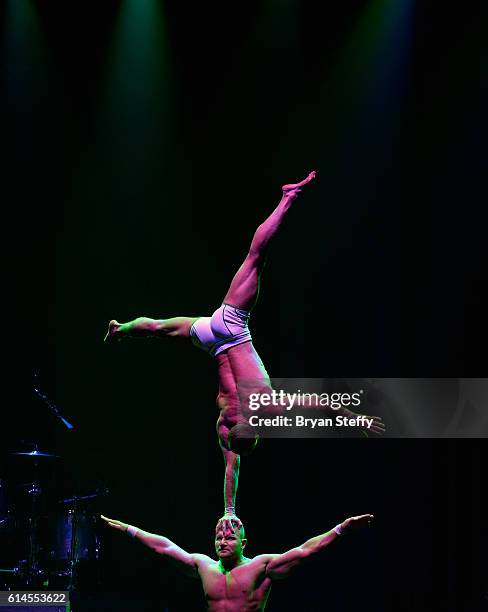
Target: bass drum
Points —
{"points": [[9, 545], [4, 506], [7, 527], [70, 535]]}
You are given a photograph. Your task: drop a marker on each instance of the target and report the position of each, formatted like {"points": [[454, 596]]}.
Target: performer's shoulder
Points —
{"points": [[204, 560], [263, 559], [266, 556]]}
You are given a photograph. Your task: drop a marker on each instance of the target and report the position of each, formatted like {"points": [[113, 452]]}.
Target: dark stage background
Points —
{"points": [[145, 141]]}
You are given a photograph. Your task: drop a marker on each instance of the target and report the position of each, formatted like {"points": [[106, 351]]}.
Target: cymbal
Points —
{"points": [[76, 498], [35, 453]]}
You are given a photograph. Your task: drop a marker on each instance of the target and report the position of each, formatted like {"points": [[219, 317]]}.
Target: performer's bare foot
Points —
{"points": [[113, 328], [295, 188]]}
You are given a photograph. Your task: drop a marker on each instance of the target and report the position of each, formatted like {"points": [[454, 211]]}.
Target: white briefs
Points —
{"points": [[227, 327]]}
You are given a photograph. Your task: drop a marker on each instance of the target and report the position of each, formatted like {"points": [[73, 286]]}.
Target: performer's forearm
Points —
{"points": [[156, 542], [282, 565], [341, 411], [319, 543], [231, 480]]}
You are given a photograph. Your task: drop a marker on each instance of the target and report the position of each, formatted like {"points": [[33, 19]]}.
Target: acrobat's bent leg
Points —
{"points": [[244, 288], [143, 327]]}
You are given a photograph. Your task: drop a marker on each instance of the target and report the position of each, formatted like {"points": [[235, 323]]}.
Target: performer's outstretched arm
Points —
{"points": [[374, 425], [184, 561], [281, 565], [370, 424]]}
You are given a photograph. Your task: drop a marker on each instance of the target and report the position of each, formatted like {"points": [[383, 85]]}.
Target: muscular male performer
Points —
{"points": [[226, 336], [236, 583]]}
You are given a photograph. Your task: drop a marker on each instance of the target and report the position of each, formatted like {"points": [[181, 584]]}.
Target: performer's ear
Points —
{"points": [[243, 543]]}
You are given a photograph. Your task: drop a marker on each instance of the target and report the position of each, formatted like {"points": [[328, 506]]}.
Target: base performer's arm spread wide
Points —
{"points": [[184, 561], [281, 565]]}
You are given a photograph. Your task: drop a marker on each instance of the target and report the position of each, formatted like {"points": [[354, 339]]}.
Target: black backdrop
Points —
{"points": [[143, 147]]}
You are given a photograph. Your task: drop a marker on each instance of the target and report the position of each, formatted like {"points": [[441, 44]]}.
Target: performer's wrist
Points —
{"points": [[339, 529], [132, 531], [230, 510]]}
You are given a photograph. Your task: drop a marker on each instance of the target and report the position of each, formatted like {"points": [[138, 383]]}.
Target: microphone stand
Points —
{"points": [[43, 396]]}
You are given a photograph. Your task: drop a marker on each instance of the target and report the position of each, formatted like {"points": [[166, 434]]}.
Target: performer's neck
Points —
{"points": [[229, 564]]}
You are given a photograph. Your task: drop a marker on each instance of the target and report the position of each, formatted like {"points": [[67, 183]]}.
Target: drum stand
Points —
{"points": [[72, 557], [33, 572]]}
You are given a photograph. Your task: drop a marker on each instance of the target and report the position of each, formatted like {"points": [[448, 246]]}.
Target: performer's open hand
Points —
{"points": [[377, 426], [115, 524], [363, 520], [230, 521]]}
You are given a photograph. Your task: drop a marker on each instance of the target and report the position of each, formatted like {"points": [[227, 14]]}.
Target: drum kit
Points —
{"points": [[46, 541]]}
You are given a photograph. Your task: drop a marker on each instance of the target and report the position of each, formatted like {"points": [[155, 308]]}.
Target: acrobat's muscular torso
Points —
{"points": [[245, 588]]}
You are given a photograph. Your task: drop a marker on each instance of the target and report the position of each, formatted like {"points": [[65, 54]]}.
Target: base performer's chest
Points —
{"points": [[242, 584]]}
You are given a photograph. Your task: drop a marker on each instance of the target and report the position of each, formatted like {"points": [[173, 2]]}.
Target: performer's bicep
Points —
{"points": [[182, 560], [279, 566]]}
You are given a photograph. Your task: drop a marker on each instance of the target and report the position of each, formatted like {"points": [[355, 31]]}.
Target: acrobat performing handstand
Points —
{"points": [[226, 336]]}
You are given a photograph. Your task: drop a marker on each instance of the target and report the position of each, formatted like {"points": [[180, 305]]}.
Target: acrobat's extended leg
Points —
{"points": [[143, 327], [244, 288]]}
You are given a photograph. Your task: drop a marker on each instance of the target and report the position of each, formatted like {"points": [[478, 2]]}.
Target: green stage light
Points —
{"points": [[26, 65], [362, 97]]}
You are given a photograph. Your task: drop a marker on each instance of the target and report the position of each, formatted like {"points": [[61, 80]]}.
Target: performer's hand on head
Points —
{"points": [[115, 524], [363, 520], [231, 521]]}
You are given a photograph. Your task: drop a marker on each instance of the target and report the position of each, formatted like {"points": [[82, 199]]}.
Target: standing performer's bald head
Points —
{"points": [[230, 540]]}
